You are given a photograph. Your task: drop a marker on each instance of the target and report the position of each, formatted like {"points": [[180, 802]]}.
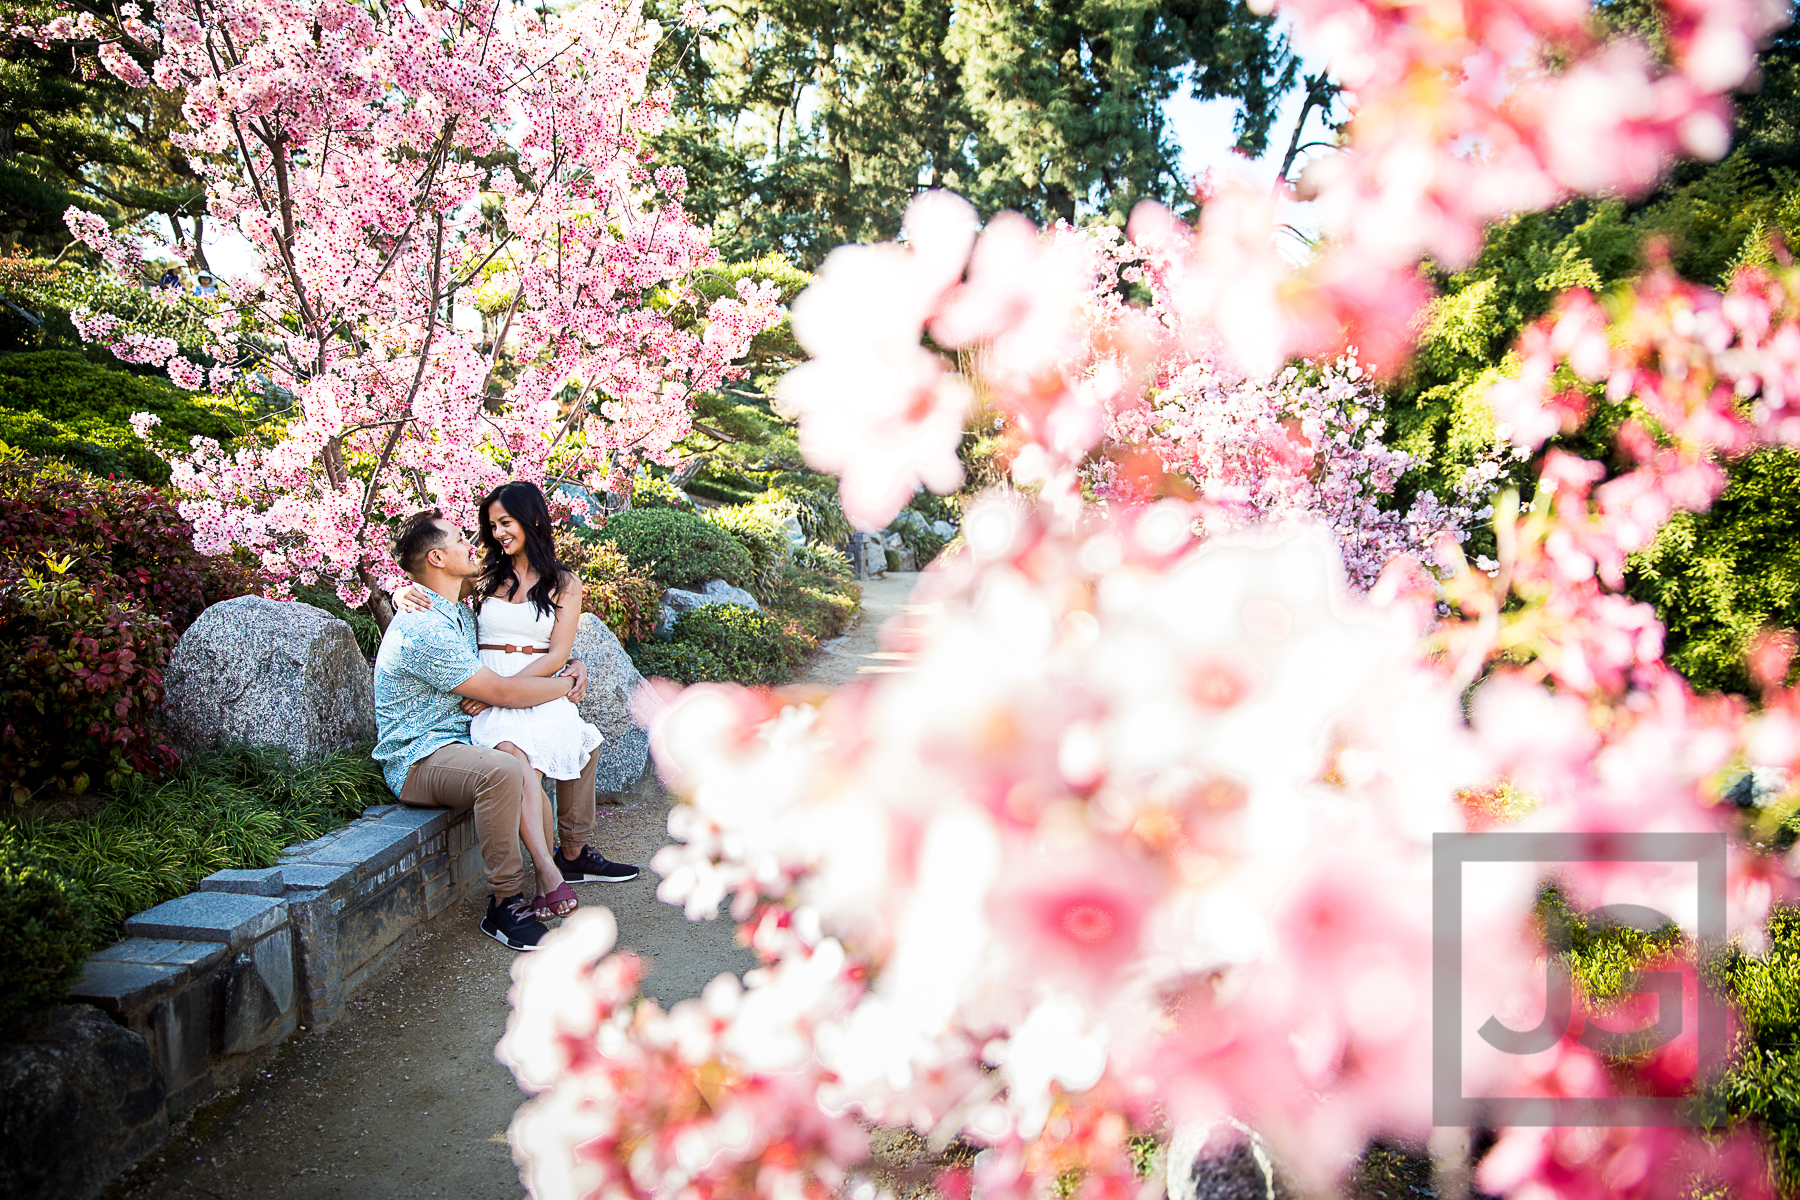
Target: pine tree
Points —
{"points": [[804, 124], [72, 134]]}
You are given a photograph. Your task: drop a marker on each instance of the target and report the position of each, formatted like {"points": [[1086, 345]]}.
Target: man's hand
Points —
{"points": [[475, 707], [413, 598], [577, 670]]}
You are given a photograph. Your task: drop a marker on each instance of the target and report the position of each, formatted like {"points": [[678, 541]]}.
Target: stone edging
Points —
{"points": [[207, 979]]}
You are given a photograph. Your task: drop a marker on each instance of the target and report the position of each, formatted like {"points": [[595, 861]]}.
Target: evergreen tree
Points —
{"points": [[72, 134], [805, 124]]}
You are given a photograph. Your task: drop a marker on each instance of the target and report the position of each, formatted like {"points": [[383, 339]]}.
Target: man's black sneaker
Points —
{"points": [[590, 866], [512, 923]]}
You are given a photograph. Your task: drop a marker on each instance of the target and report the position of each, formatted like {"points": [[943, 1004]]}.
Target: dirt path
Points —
{"points": [[403, 1099]]}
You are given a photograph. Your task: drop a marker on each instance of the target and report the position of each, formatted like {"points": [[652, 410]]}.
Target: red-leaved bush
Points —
{"points": [[124, 538], [80, 682], [97, 580]]}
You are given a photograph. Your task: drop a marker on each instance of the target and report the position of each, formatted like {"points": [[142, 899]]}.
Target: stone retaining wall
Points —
{"points": [[206, 980]]}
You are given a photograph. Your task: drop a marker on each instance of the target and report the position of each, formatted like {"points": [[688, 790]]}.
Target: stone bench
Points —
{"points": [[209, 977]]}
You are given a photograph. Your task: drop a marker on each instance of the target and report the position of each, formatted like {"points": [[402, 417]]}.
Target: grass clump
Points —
{"points": [[68, 883], [232, 808]]}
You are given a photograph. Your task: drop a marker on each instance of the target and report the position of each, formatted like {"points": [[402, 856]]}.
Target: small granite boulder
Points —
{"points": [[717, 591], [611, 680], [269, 673], [80, 1101]]}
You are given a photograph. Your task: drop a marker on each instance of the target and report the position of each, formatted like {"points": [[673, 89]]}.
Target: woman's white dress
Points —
{"points": [[553, 736]]}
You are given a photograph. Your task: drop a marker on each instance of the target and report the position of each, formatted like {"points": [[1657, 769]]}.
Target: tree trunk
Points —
{"points": [[381, 605]]}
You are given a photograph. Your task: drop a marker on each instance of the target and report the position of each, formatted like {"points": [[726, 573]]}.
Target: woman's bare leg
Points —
{"points": [[531, 823]]}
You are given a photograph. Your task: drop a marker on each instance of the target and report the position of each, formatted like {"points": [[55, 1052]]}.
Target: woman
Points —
{"points": [[526, 607]]}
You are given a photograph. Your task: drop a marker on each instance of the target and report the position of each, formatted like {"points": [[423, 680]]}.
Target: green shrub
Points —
{"points": [[684, 662], [756, 529], [815, 501], [57, 404], [653, 491], [823, 560], [49, 930], [53, 291], [79, 684], [362, 625], [722, 493], [1763, 1085], [627, 599], [677, 549], [916, 532], [723, 642], [815, 605], [1718, 577]]}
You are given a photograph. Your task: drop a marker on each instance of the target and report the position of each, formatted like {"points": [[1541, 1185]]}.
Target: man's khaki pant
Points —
{"points": [[492, 783]]}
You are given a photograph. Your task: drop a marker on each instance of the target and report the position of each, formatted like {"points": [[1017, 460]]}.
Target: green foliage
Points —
{"points": [[918, 536], [79, 685], [677, 549], [123, 539], [362, 625], [1719, 577], [1603, 956], [823, 560], [802, 127], [50, 293], [723, 642], [756, 528], [57, 404], [76, 135], [628, 600], [815, 501], [1437, 412], [815, 605], [723, 493], [653, 491], [1763, 1085], [97, 579], [49, 928], [237, 807]]}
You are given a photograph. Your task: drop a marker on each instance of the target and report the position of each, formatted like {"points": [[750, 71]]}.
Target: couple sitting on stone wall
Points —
{"points": [[503, 660]]}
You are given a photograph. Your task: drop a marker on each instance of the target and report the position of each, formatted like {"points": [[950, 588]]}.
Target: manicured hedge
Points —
{"points": [[678, 549], [57, 404]]}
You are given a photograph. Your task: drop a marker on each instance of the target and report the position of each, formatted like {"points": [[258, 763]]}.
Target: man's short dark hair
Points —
{"points": [[418, 536]]}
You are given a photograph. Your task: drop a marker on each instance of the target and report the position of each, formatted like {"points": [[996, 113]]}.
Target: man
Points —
{"points": [[425, 673]]}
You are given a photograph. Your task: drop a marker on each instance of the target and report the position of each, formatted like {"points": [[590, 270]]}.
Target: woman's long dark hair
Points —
{"points": [[525, 504]]}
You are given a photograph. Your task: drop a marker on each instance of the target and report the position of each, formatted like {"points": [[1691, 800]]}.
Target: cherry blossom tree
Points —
{"points": [[1143, 837], [467, 269]]}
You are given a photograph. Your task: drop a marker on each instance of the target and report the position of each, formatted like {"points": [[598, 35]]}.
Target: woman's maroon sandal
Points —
{"points": [[560, 901]]}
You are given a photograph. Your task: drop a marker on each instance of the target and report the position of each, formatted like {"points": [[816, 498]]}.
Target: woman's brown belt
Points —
{"points": [[518, 649]]}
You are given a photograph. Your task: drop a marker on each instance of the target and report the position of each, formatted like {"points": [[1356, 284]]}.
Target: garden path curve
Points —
{"points": [[402, 1100]]}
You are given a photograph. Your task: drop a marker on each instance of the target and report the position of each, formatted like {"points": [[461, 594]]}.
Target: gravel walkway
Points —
{"points": [[403, 1099]]}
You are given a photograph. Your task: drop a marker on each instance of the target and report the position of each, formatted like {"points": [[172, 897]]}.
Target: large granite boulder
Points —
{"points": [[80, 1101], [611, 680], [270, 673]]}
